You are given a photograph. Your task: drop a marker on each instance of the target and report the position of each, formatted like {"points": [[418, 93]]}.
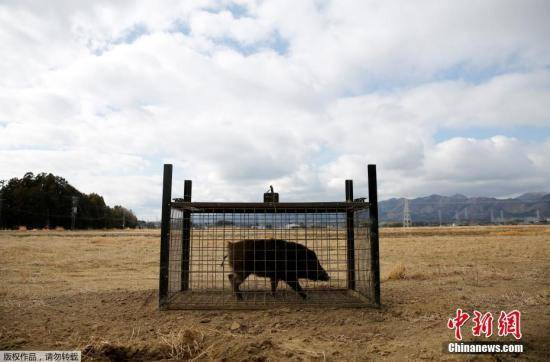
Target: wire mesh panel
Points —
{"points": [[304, 252], [259, 255], [363, 273], [175, 254]]}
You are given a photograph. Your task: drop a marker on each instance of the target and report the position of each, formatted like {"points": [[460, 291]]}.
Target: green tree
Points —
{"points": [[46, 200]]}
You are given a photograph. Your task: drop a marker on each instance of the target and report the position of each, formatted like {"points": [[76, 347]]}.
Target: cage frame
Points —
{"points": [[187, 206]]}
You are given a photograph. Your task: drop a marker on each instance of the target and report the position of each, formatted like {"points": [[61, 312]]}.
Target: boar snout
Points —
{"points": [[323, 276]]}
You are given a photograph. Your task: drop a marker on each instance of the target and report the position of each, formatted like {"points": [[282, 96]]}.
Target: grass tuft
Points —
{"points": [[398, 272]]}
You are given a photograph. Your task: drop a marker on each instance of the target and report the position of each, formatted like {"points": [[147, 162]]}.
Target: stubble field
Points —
{"points": [[97, 291]]}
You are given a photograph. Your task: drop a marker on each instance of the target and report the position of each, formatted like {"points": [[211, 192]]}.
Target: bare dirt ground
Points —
{"points": [[97, 291]]}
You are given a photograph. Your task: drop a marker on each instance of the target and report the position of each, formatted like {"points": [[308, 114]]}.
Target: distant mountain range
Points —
{"points": [[433, 209]]}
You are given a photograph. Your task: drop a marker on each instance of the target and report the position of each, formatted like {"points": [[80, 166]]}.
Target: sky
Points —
{"points": [[445, 97]]}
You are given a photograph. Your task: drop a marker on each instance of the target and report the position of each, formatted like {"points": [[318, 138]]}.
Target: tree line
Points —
{"points": [[48, 201]]}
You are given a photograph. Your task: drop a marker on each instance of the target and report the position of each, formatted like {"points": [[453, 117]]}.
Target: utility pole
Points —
{"points": [[538, 212], [123, 219], [466, 215], [407, 222], [439, 215], [73, 212]]}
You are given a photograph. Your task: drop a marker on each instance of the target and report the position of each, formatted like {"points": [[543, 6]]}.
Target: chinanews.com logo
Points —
{"points": [[482, 324]]}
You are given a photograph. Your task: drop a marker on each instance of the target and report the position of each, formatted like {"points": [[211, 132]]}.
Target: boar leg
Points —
{"points": [[274, 282], [235, 279], [295, 285]]}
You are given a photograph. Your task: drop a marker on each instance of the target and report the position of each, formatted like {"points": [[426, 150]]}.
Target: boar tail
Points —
{"points": [[223, 260]]}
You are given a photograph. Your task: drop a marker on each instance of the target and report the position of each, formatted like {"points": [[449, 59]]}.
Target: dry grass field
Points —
{"points": [[96, 291]]}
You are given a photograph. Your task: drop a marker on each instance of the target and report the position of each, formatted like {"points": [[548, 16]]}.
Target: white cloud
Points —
{"points": [[466, 159], [296, 94]]}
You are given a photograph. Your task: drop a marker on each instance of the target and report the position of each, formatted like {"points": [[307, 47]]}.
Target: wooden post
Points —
{"points": [[350, 237], [186, 237], [165, 235], [374, 251]]}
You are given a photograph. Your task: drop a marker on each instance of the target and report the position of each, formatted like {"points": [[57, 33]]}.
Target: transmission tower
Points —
{"points": [[538, 213], [502, 216], [439, 214], [73, 211], [407, 222]]}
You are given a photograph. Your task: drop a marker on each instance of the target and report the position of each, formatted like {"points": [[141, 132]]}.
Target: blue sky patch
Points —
{"points": [[132, 34], [237, 10], [275, 42]]}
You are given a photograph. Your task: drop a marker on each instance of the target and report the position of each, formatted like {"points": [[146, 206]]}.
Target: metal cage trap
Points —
{"points": [[247, 255]]}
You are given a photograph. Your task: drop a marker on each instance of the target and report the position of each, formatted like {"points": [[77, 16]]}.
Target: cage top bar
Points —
{"points": [[267, 207]]}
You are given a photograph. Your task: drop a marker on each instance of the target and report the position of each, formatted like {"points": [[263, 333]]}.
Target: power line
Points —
{"points": [[104, 217], [470, 202]]}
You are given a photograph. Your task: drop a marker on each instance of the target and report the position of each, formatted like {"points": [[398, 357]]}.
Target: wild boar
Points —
{"points": [[275, 259]]}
